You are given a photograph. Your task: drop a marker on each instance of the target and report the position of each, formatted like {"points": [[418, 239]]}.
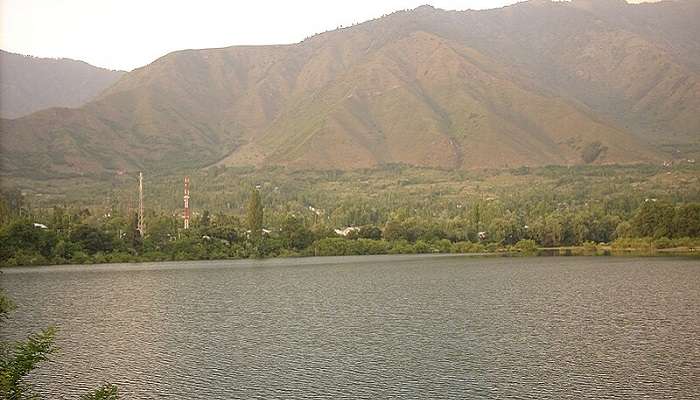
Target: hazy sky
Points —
{"points": [[125, 34]]}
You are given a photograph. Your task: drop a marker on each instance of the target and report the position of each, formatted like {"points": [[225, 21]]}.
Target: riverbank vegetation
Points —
{"points": [[396, 210]]}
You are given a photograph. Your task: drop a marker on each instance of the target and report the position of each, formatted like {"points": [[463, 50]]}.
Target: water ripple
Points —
{"points": [[369, 327]]}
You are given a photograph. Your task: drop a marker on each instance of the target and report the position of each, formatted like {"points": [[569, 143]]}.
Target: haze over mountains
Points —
{"points": [[536, 83], [29, 84]]}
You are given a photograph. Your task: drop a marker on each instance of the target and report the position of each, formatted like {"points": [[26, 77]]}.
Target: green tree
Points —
{"points": [[92, 239], [394, 230], [254, 218], [161, 230], [370, 232], [686, 222], [225, 227], [475, 216], [654, 219], [507, 229], [294, 235], [21, 234], [205, 220]]}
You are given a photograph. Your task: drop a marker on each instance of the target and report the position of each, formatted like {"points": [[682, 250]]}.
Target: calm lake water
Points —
{"points": [[369, 327]]}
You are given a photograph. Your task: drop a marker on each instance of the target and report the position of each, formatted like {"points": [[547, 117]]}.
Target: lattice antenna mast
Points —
{"points": [[141, 227], [186, 213]]}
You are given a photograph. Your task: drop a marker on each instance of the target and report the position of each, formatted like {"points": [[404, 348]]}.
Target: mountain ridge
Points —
{"points": [[520, 85], [29, 84]]}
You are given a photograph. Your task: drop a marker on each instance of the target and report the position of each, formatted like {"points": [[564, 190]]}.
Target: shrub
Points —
{"points": [[526, 246], [468, 247], [632, 243], [590, 247], [663, 243], [444, 246], [79, 257], [422, 247], [401, 247]]}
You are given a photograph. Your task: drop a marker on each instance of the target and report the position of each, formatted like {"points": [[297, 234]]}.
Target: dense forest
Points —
{"points": [[395, 210]]}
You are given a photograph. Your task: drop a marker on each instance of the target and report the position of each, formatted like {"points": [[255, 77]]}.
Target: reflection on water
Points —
{"points": [[369, 327]]}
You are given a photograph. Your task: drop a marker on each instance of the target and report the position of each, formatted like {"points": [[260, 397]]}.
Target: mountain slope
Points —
{"points": [[462, 111], [29, 84], [532, 84]]}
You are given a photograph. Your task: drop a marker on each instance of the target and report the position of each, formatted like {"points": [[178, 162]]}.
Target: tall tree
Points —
{"points": [[654, 219], [255, 218]]}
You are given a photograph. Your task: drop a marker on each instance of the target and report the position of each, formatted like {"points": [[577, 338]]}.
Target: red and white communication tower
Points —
{"points": [[186, 213]]}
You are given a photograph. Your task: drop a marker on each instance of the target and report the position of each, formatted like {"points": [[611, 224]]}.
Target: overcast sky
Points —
{"points": [[125, 34]]}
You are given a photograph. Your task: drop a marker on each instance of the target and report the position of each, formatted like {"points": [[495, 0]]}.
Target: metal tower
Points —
{"points": [[141, 227], [186, 213]]}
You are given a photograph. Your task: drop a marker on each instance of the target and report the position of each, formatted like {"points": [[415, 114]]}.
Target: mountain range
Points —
{"points": [[29, 84], [536, 83]]}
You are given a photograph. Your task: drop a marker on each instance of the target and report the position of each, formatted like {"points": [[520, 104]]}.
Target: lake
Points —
{"points": [[439, 327]]}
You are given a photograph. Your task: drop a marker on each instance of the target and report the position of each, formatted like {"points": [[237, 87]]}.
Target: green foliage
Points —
{"points": [[650, 244], [22, 235], [254, 218], [294, 235], [686, 222], [205, 219], [399, 209], [527, 246], [654, 218], [370, 232], [18, 360], [92, 239], [469, 247], [590, 247], [644, 244], [104, 392], [6, 305]]}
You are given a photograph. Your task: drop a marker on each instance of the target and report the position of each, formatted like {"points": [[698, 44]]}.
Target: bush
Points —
{"points": [[370, 232], [401, 247], [686, 242], [120, 257], [284, 253], [330, 247], [422, 247], [632, 243], [590, 247], [663, 243], [154, 256], [92, 239], [468, 247], [79, 257], [526, 246], [373, 246]]}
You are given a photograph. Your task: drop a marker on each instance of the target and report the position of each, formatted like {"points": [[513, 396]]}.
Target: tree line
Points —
{"points": [[63, 235]]}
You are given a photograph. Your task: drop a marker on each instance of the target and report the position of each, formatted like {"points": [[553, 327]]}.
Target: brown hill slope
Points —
{"points": [[29, 84], [423, 100], [531, 84]]}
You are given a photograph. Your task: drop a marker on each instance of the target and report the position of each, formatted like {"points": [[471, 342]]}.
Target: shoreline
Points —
{"points": [[545, 252]]}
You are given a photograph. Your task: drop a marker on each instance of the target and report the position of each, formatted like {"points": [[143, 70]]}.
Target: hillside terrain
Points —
{"points": [[29, 84], [536, 83]]}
